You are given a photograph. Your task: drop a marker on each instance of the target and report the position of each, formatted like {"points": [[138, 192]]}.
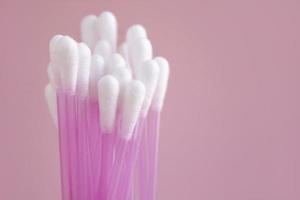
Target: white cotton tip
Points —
{"points": [[103, 48], [107, 28], [53, 75], [50, 96], [123, 75], [123, 50], [160, 92], [115, 60], [148, 74], [135, 32], [139, 51], [96, 72], [88, 30], [108, 93], [133, 101], [83, 69], [52, 43], [65, 56], [53, 71]]}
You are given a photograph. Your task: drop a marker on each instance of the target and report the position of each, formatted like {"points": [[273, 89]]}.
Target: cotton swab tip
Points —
{"points": [[87, 30], [103, 48], [96, 72], [162, 84], [122, 74], [108, 91], [83, 69], [115, 60], [135, 32], [53, 75], [52, 42], [65, 56], [133, 101], [107, 28], [50, 95], [139, 51], [148, 74]]}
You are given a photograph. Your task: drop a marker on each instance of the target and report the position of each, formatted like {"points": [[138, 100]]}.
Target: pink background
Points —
{"points": [[231, 123]]}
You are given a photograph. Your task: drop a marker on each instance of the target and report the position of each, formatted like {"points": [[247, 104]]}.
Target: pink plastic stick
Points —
{"points": [[83, 181], [72, 138], [68, 150], [116, 170], [143, 163], [107, 163], [63, 146], [154, 142], [95, 141], [126, 156]]}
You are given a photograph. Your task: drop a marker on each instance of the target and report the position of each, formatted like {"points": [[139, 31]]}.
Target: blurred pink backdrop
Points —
{"points": [[231, 122]]}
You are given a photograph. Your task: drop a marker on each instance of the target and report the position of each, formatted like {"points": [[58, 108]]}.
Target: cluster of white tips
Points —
{"points": [[125, 79]]}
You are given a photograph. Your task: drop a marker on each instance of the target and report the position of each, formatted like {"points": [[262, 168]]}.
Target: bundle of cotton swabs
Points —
{"points": [[106, 101]]}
